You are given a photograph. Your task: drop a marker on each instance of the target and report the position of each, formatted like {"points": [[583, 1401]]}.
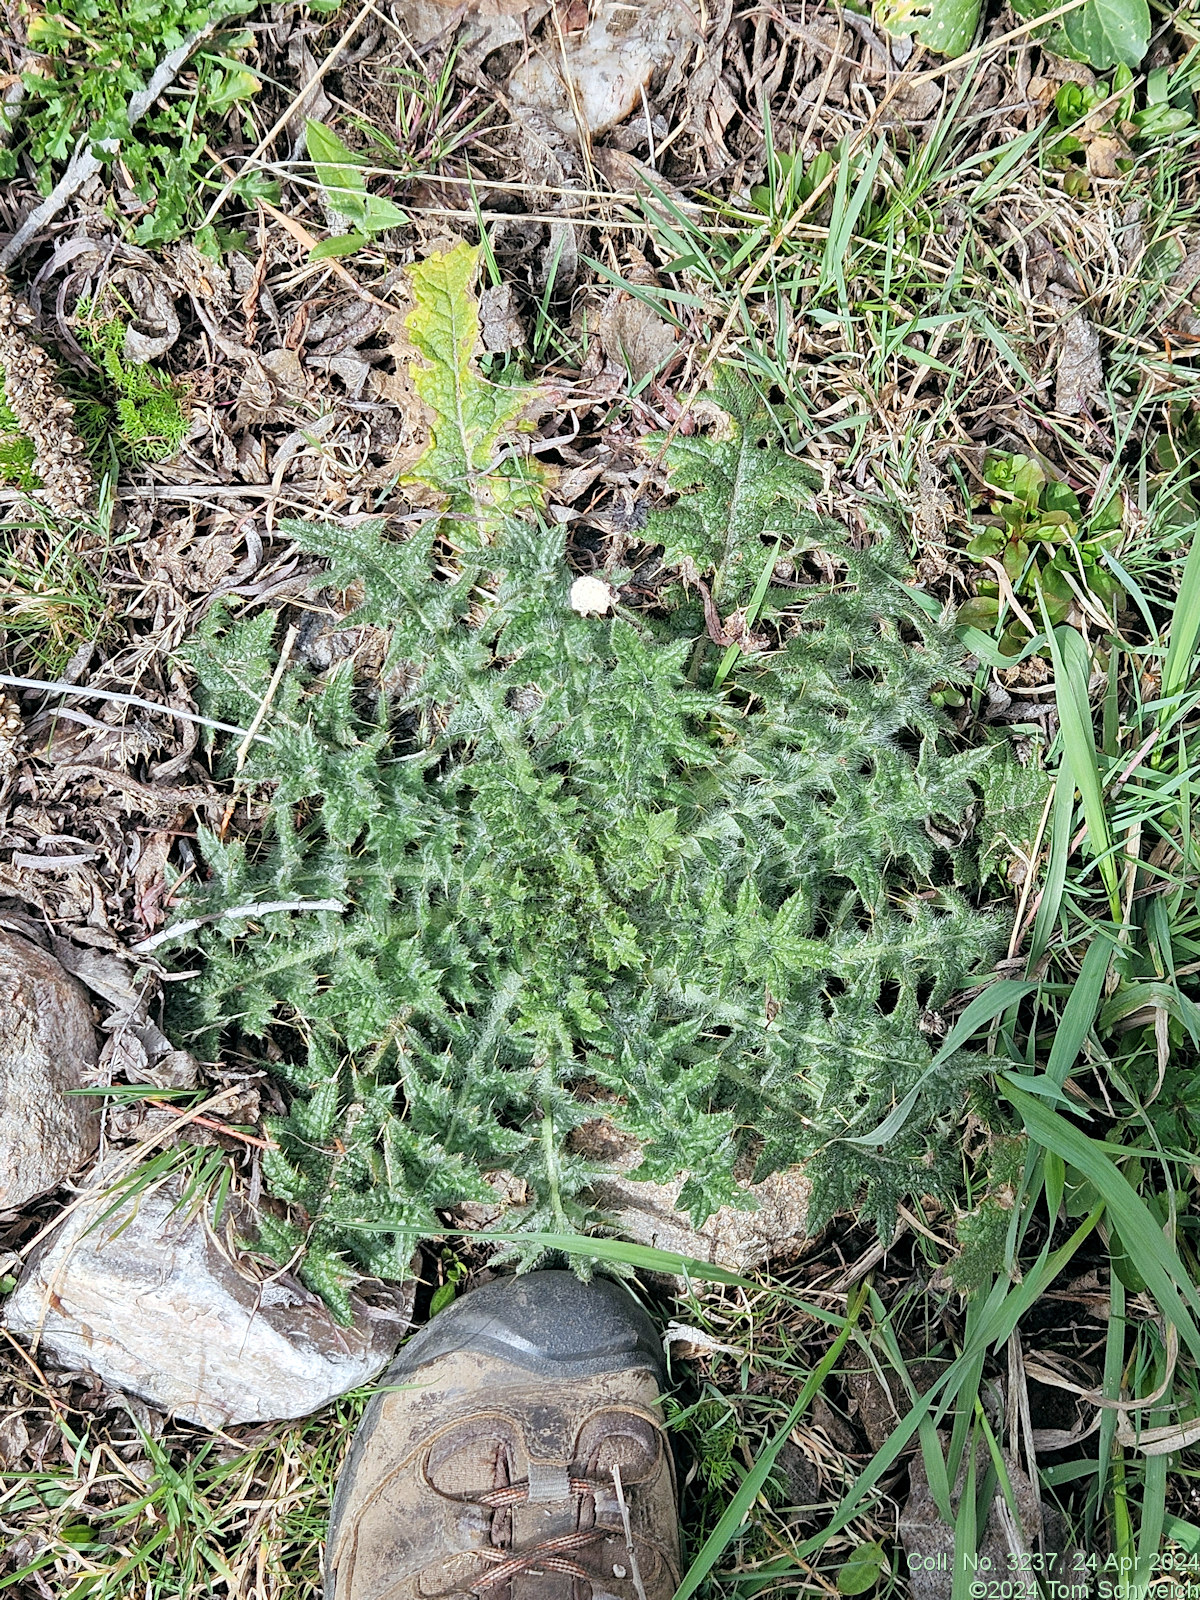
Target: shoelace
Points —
{"points": [[516, 1494], [549, 1555]]}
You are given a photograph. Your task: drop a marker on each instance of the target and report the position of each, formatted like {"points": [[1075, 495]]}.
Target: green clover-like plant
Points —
{"points": [[1034, 528]]}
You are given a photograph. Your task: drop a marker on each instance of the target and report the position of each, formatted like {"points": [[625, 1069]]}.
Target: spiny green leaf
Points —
{"points": [[563, 863], [740, 494]]}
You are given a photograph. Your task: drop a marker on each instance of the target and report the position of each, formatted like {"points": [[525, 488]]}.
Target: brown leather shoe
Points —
{"points": [[523, 1458]]}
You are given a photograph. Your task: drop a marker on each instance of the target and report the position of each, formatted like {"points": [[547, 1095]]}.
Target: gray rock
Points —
{"points": [[47, 1046], [502, 327], [1079, 381], [151, 1301], [928, 1542], [773, 1224], [740, 1240]]}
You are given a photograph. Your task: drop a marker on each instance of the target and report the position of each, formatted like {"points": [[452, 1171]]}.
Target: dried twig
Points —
{"points": [[263, 908], [207, 1122], [243, 750], [56, 1404], [126, 700]]}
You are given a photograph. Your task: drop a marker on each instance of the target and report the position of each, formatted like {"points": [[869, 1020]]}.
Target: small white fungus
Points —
{"points": [[591, 597]]}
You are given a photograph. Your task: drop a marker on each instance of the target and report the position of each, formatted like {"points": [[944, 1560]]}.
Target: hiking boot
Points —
{"points": [[521, 1457]]}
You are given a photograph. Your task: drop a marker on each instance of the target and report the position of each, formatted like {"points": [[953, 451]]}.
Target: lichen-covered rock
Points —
{"points": [[47, 1046], [152, 1301], [774, 1224], [739, 1240], [1003, 1542]]}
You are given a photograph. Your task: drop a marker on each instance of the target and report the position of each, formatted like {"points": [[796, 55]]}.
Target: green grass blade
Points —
{"points": [[1154, 1510], [1080, 1011], [579, 1244], [1061, 823], [1079, 750], [1185, 1534], [756, 600], [1185, 626], [1005, 1308], [931, 1449], [986, 1007], [1165, 1274], [979, 1315], [734, 1515], [1009, 156], [966, 1532]]}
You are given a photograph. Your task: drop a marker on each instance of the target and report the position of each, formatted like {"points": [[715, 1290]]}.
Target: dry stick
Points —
{"points": [[261, 908], [287, 169], [207, 1122], [624, 1509], [581, 123], [56, 1404], [83, 164], [243, 750], [285, 117], [126, 700]]}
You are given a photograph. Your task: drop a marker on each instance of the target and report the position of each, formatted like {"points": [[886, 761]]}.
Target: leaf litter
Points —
{"points": [[1044, 313]]}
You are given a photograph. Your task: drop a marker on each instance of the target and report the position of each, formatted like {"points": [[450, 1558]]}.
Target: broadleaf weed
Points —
{"points": [[579, 882]]}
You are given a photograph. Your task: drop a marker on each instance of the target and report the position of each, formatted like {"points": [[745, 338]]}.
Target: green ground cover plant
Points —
{"points": [[585, 866], [90, 59], [1036, 531], [129, 409], [128, 413]]}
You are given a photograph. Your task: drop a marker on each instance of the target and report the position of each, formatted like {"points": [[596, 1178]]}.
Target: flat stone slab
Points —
{"points": [[150, 1301]]}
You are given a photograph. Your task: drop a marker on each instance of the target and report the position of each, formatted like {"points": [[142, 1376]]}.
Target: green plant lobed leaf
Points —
{"points": [[580, 883], [469, 414], [1110, 33]]}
